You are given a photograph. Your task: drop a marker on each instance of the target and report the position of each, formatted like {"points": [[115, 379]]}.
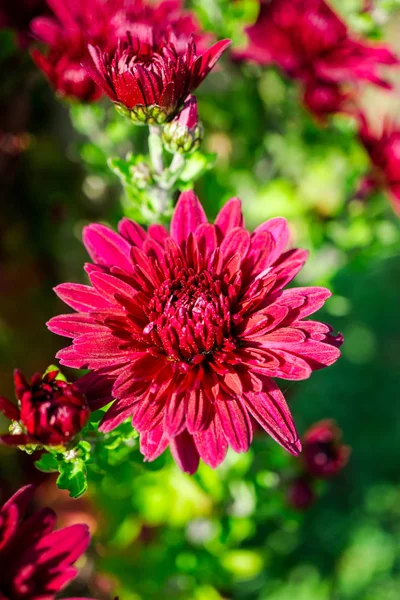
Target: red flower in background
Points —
{"points": [[75, 24], [191, 325], [50, 412], [324, 454], [151, 74], [78, 23], [384, 152], [311, 43], [36, 561], [162, 15]]}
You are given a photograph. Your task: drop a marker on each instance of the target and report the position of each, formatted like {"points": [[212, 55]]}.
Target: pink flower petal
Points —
{"points": [[188, 215], [185, 453]]}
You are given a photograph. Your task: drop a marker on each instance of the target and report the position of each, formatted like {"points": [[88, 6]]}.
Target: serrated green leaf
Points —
{"points": [[73, 478], [196, 165], [47, 463]]}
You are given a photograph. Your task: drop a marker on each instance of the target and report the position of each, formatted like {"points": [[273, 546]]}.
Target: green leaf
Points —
{"points": [[47, 463], [196, 165], [73, 478]]}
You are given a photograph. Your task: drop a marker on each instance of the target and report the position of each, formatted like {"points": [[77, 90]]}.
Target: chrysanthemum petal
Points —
{"points": [[106, 247], [230, 216], [188, 215], [235, 423], [185, 453]]}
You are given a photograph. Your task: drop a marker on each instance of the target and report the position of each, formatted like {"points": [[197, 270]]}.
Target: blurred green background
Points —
{"points": [[227, 534]]}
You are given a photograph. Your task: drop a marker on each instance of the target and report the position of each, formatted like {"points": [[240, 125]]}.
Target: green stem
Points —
{"points": [[156, 149]]}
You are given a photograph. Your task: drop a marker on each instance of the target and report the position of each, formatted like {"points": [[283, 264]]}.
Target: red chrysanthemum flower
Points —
{"points": [[384, 152], [67, 34], [192, 325], [310, 43], [324, 454], [150, 75], [161, 15], [50, 411], [36, 561], [78, 23]]}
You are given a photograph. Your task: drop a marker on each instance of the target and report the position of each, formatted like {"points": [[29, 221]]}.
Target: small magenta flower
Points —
{"points": [[324, 454], [185, 132], [384, 152], [193, 325], [311, 44], [151, 74], [36, 561], [49, 412]]}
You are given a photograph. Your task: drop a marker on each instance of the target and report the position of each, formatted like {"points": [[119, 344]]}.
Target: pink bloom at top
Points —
{"points": [[151, 74], [311, 43], [192, 325], [384, 152], [324, 454], [36, 561]]}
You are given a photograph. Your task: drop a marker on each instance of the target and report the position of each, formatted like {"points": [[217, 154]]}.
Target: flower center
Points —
{"points": [[189, 316]]}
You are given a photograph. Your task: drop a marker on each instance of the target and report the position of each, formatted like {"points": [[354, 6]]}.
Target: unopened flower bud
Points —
{"points": [[51, 411], [324, 454], [184, 134]]}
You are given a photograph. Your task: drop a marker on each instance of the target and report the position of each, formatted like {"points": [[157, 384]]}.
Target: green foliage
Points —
{"points": [[97, 452]]}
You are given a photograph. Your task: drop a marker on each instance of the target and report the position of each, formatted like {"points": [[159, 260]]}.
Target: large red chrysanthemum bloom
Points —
{"points": [[311, 43], [78, 23], [384, 152], [151, 74], [192, 325], [36, 561]]}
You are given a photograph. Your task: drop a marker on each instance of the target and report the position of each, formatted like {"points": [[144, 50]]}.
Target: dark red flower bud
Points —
{"points": [[51, 411], [300, 494], [151, 74], [324, 454], [184, 133]]}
